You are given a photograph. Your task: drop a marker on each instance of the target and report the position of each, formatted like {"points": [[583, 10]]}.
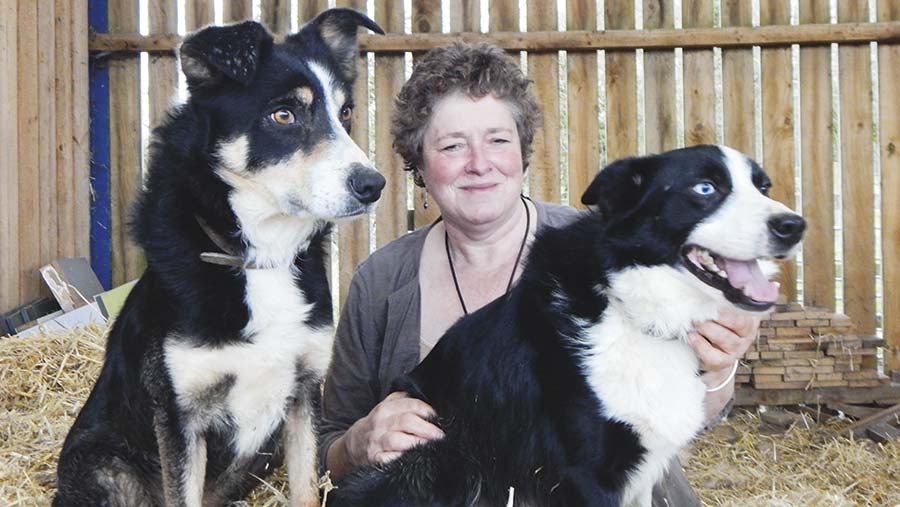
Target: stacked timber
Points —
{"points": [[806, 347]]}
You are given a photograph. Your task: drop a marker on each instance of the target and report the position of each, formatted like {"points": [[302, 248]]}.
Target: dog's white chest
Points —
{"points": [[262, 372]]}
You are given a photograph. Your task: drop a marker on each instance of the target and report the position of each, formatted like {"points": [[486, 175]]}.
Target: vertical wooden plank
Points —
{"points": [[276, 15], [9, 166], [426, 18], [543, 69], [857, 191], [699, 97], [503, 15], [659, 81], [621, 86], [163, 76], [47, 195], [353, 236], [465, 16], [237, 10], [65, 184], [889, 105], [582, 87], [308, 9], [737, 70], [81, 129], [778, 125], [125, 145], [28, 149], [389, 76], [197, 14], [816, 163]]}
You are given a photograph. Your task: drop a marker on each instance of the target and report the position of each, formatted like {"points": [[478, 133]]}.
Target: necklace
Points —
{"points": [[512, 275]]}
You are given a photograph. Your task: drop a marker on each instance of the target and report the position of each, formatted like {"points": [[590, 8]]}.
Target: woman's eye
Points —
{"points": [[451, 147], [704, 188], [283, 117], [346, 113]]}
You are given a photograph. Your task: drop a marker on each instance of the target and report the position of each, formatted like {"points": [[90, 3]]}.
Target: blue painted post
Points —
{"points": [[100, 175]]}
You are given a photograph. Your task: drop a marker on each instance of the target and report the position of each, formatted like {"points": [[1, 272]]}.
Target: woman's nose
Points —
{"points": [[478, 160]]}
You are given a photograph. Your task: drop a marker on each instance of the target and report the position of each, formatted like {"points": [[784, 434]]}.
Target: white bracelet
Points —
{"points": [[726, 381]]}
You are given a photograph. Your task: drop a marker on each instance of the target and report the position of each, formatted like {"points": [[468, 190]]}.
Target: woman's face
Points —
{"points": [[472, 159]]}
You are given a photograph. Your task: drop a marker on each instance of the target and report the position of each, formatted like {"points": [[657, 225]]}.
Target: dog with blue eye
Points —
{"points": [[213, 367], [579, 386]]}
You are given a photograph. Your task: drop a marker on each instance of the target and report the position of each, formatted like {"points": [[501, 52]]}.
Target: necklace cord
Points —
{"points": [[512, 275]]}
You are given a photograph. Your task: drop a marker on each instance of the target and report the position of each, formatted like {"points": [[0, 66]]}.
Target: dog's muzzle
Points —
{"points": [[365, 183]]}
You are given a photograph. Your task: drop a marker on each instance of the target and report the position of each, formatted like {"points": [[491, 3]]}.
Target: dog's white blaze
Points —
{"points": [[642, 368], [264, 369], [195, 472], [739, 228]]}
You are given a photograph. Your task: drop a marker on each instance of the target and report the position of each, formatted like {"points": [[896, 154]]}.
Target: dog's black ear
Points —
{"points": [[620, 186], [337, 29], [217, 53]]}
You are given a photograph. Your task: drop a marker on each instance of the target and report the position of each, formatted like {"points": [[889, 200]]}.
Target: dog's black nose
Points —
{"points": [[365, 184], [787, 228]]}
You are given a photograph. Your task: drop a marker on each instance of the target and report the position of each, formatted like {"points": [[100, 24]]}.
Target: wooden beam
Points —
{"points": [[743, 36], [889, 393]]}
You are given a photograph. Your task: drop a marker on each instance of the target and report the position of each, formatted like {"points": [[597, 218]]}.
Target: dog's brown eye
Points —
{"points": [[282, 117], [346, 113]]}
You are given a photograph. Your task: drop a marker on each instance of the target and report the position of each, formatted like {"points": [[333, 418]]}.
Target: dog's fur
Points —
{"points": [[212, 371], [579, 386]]}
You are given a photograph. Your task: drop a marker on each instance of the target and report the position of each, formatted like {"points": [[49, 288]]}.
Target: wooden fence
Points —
{"points": [[642, 84]]}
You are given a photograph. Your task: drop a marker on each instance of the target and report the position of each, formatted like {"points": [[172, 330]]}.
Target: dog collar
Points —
{"points": [[229, 258]]}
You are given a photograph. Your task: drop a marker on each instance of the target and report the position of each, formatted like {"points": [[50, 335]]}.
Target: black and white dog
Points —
{"points": [[579, 386], [213, 368]]}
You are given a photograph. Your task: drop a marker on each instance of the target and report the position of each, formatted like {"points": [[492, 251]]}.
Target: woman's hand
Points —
{"points": [[393, 426]]}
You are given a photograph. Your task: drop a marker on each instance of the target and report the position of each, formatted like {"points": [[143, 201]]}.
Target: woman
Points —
{"points": [[464, 125]]}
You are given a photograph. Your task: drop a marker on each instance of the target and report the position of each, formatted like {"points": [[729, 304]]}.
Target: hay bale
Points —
{"points": [[45, 378]]}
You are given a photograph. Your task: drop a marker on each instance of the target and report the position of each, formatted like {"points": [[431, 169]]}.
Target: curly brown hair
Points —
{"points": [[473, 69]]}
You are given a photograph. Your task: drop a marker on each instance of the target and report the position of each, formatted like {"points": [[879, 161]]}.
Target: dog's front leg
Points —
{"points": [[300, 455], [182, 458]]}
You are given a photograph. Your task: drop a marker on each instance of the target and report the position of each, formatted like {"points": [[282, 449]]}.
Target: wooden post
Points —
{"points": [[197, 14], [389, 78], [889, 76], [308, 9], [426, 18], [81, 154], [582, 98], [737, 83], [9, 172], [125, 146], [465, 16], [276, 15], [65, 184], [778, 125], [699, 96], [29, 238], [659, 81], [857, 175], [237, 10], [543, 69], [621, 85], [816, 163], [163, 76]]}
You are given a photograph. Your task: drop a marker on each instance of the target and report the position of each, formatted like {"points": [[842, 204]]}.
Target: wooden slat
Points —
{"points": [[778, 125], [621, 85], [353, 236], [237, 10], [543, 69], [699, 98], [276, 15], [856, 174], [816, 164], [125, 147], [197, 14], [46, 147], [389, 76], [308, 9], [889, 101], [503, 15], [81, 129], [9, 167], [465, 16], [163, 76], [737, 83], [659, 81], [581, 98], [734, 37], [28, 148], [426, 18], [65, 184]]}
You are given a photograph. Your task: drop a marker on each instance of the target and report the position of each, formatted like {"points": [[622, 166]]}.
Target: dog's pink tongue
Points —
{"points": [[748, 277]]}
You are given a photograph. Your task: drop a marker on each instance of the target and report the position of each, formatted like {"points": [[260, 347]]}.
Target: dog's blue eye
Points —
{"points": [[705, 188]]}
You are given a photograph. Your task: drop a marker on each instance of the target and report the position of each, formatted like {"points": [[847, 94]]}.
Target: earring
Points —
{"points": [[425, 199]]}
